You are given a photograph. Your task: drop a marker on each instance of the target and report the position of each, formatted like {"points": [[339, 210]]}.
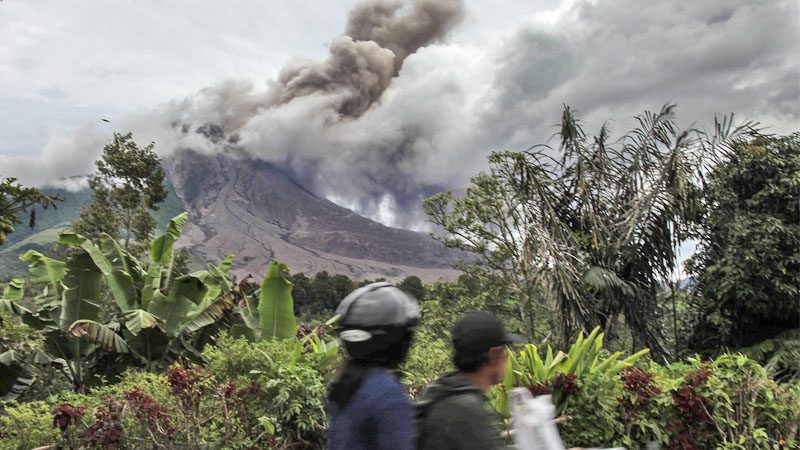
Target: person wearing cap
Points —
{"points": [[453, 412], [368, 408]]}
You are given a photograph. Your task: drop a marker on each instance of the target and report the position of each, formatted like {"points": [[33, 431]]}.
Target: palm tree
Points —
{"points": [[590, 227]]}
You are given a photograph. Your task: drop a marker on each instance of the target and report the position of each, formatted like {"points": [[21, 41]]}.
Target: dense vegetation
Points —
{"points": [[111, 341]]}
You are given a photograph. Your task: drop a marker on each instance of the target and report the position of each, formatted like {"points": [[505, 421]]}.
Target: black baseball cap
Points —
{"points": [[477, 332]]}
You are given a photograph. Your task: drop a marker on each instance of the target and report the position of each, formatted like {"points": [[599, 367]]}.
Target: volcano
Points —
{"points": [[259, 212]]}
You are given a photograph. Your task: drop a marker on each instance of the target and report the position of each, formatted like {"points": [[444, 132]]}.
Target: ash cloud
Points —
{"points": [[378, 39], [395, 113]]}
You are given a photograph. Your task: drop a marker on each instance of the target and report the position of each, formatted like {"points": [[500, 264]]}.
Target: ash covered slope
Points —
{"points": [[252, 208]]}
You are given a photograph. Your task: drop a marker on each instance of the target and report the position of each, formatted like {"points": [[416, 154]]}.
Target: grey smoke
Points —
{"points": [[397, 111], [378, 39]]}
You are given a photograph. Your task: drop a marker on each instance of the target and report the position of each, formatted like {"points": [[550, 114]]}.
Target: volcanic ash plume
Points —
{"points": [[379, 36], [377, 40], [313, 118]]}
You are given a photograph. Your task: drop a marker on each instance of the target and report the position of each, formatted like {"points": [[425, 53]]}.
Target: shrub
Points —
{"points": [[429, 357], [604, 401], [293, 392], [27, 425]]}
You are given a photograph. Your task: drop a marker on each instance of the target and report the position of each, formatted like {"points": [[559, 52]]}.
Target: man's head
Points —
{"points": [[480, 345]]}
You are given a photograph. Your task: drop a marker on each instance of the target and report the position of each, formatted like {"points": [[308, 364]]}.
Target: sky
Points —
{"points": [[496, 79]]}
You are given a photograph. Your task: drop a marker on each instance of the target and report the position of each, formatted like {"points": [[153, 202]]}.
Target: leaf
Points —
{"points": [[14, 290], [81, 295], [207, 315], [13, 307], [138, 319], [184, 294], [15, 376], [161, 248], [161, 251], [275, 305], [100, 335], [45, 271], [112, 261], [225, 265]]}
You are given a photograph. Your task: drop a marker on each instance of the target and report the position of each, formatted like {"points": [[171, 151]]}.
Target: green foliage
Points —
{"points": [[26, 426], [16, 199], [293, 390], [317, 297], [594, 411], [780, 356], [413, 285], [429, 358], [275, 308], [748, 263], [128, 186], [20, 349], [586, 356], [724, 404], [103, 312], [591, 232]]}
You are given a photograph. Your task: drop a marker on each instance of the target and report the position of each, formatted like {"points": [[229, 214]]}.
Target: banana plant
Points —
{"points": [[100, 301], [268, 312], [152, 322]]}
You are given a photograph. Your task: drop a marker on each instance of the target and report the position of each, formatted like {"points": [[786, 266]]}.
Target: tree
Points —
{"points": [[588, 229], [16, 199], [413, 285], [303, 295], [747, 268], [128, 187]]}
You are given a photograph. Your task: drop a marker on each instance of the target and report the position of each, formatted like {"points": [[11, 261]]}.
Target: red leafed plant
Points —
{"points": [[187, 383], [566, 383], [562, 383], [106, 432], [694, 425], [65, 415]]}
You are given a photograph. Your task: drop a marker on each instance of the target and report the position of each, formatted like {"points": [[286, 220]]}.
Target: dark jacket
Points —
{"points": [[454, 414], [379, 417]]}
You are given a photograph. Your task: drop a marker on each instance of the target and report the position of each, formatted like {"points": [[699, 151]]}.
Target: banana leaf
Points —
{"points": [[81, 296], [99, 335], [173, 309], [15, 376], [14, 290], [113, 266], [46, 272], [137, 319], [275, 305], [161, 252]]}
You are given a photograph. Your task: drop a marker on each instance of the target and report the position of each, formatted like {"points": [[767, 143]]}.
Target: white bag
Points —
{"points": [[533, 424], [532, 421]]}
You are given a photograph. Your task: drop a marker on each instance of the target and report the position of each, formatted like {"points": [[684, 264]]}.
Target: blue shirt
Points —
{"points": [[379, 416]]}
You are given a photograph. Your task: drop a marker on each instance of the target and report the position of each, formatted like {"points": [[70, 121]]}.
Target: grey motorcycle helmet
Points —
{"points": [[377, 323]]}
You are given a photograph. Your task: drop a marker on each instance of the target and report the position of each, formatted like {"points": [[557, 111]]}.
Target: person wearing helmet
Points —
{"points": [[368, 408]]}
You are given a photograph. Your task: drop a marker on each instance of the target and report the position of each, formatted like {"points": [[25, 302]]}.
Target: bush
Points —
{"points": [[728, 403], [293, 392], [27, 425], [605, 401], [429, 357]]}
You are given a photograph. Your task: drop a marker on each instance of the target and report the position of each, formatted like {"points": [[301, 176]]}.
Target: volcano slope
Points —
{"points": [[257, 211]]}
